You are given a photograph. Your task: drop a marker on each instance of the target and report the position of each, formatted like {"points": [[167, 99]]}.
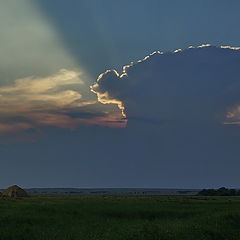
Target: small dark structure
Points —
{"points": [[14, 192]]}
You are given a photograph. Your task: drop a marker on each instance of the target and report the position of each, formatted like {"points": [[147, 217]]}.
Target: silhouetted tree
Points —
{"points": [[219, 192]]}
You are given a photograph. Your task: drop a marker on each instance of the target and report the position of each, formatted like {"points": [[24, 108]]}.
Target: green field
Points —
{"points": [[115, 218]]}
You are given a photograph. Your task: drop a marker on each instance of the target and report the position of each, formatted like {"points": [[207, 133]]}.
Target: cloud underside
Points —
{"points": [[191, 87], [33, 103]]}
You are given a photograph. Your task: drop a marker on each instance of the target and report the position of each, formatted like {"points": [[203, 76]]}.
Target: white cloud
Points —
{"points": [[32, 94]]}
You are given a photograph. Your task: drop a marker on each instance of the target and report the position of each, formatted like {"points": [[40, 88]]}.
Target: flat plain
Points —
{"points": [[120, 218]]}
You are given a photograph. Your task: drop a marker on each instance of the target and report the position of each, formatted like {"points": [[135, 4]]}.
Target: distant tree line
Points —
{"points": [[219, 192]]}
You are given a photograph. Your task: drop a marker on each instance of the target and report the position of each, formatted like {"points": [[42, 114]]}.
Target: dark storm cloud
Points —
{"points": [[186, 87]]}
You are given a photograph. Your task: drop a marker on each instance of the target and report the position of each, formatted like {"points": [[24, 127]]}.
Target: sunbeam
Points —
{"points": [[32, 47]]}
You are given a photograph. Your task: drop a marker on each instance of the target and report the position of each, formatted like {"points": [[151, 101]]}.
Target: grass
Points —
{"points": [[125, 218]]}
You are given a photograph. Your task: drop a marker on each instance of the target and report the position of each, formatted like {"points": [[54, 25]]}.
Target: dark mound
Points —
{"points": [[13, 192]]}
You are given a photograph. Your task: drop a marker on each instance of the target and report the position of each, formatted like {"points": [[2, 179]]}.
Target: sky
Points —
{"points": [[107, 93]]}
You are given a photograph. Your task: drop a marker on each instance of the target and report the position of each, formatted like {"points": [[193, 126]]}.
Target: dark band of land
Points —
{"points": [[120, 218]]}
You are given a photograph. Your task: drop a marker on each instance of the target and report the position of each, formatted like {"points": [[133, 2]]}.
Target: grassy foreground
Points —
{"points": [[115, 218]]}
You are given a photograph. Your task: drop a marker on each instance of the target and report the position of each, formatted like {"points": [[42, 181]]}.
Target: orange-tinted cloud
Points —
{"points": [[34, 102]]}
